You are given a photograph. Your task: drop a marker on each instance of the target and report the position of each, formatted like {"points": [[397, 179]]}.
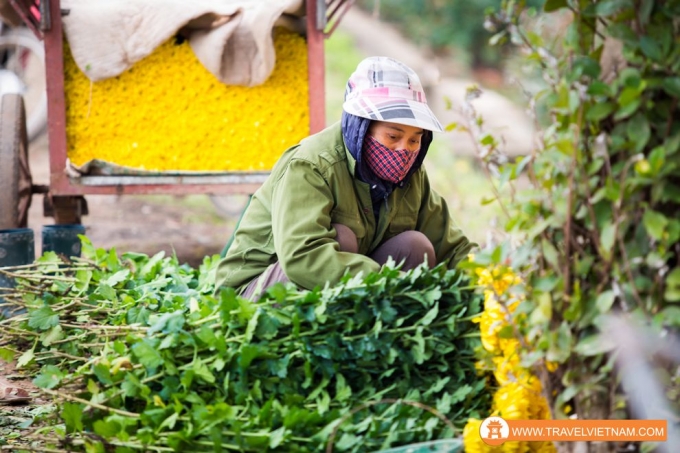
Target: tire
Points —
{"points": [[31, 74], [15, 173]]}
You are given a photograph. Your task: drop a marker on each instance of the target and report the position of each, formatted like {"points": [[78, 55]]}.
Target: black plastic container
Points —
{"points": [[62, 239], [17, 247]]}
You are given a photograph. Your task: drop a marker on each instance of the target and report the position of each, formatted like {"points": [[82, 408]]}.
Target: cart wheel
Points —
{"points": [[15, 173], [24, 58]]}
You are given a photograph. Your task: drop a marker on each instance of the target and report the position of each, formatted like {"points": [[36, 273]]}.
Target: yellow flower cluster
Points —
{"points": [[168, 112], [519, 394]]}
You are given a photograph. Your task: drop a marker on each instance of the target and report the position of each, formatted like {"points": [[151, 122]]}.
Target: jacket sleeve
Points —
{"points": [[301, 224], [435, 221]]}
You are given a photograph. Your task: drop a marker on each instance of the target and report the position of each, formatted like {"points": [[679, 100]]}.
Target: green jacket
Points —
{"points": [[313, 185]]}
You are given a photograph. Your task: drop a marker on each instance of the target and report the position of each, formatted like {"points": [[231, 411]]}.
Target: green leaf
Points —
{"points": [[672, 291], [43, 318], [607, 238], [50, 336], [50, 376], [671, 316], [147, 354], [598, 88], [252, 325], [657, 158], [651, 48], [103, 373], [645, 11], [594, 345], [267, 327], [170, 421], [560, 344], [106, 429], [627, 109], [672, 86], [72, 414], [550, 254], [138, 315], [248, 353], [488, 140], [506, 332], [167, 322], [609, 7], [25, 358], [277, 437], [599, 111], [6, 354], [638, 131], [624, 33], [632, 80], [83, 278], [347, 441], [655, 223], [672, 294], [430, 316], [202, 371], [586, 66], [342, 391], [107, 291], [673, 278], [461, 393], [116, 278], [605, 301], [543, 311], [554, 5]]}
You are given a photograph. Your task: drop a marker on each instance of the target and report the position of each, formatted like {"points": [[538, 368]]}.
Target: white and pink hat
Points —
{"points": [[384, 89]]}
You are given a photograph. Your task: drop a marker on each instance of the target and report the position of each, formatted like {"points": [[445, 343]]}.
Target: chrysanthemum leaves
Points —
{"points": [[230, 373]]}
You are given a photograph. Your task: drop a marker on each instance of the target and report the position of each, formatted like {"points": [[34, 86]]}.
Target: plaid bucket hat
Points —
{"points": [[384, 89]]}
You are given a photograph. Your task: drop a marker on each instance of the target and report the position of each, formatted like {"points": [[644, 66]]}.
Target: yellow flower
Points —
{"points": [[168, 112], [473, 441], [551, 366], [542, 447], [514, 446], [508, 370], [498, 278], [512, 402]]}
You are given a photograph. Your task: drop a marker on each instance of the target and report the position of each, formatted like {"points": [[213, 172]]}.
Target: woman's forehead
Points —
{"points": [[384, 126]]}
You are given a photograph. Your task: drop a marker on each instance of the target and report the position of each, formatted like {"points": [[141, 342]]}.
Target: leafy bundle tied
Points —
{"points": [[140, 354]]}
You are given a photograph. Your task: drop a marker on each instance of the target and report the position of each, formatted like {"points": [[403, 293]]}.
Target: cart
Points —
{"points": [[64, 197]]}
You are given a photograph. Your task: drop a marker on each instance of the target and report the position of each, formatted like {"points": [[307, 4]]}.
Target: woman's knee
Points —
{"points": [[346, 238], [419, 246]]}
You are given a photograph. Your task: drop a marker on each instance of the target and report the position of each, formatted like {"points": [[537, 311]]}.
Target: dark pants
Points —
{"points": [[411, 247]]}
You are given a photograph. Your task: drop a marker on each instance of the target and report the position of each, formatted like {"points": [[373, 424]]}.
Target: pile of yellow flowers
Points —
{"points": [[168, 112], [519, 394]]}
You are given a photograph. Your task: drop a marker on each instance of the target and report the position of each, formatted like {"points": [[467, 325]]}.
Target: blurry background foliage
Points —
{"points": [[598, 222], [449, 28]]}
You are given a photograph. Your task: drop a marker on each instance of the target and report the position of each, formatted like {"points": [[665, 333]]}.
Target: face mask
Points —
{"points": [[389, 165]]}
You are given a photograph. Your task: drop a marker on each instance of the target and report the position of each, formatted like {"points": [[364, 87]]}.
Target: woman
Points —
{"points": [[351, 196]]}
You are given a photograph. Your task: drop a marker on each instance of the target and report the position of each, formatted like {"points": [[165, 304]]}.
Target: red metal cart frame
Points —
{"points": [[64, 196]]}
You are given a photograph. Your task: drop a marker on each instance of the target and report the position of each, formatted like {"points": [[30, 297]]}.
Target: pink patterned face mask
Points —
{"points": [[389, 165]]}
